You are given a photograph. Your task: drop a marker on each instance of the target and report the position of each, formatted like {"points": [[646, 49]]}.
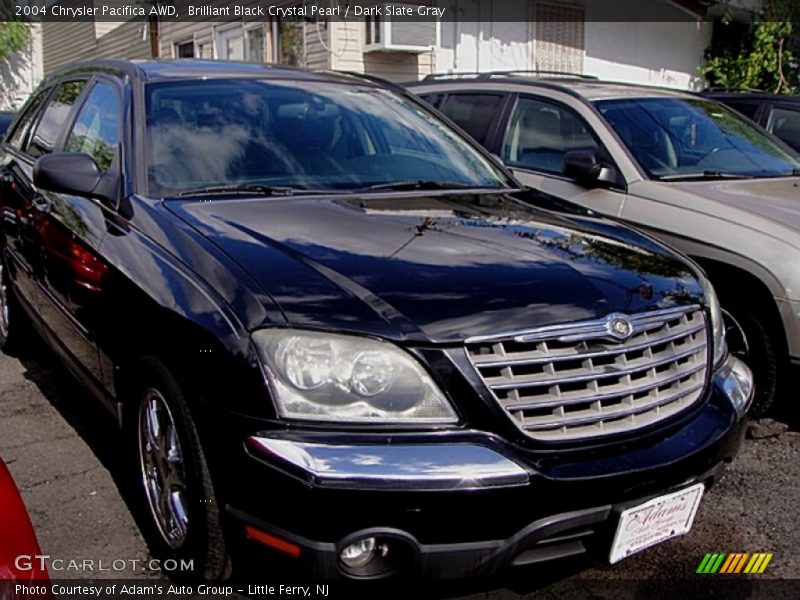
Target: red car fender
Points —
{"points": [[18, 545]]}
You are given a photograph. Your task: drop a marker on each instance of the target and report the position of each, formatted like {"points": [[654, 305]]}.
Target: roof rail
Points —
{"points": [[511, 73], [733, 89], [374, 79]]}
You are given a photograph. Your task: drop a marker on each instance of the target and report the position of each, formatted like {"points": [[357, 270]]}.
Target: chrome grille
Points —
{"points": [[574, 381]]}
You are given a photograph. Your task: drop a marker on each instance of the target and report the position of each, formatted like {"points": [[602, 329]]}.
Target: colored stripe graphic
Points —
{"points": [[711, 563], [764, 564], [735, 562], [735, 559], [703, 564], [740, 565]]}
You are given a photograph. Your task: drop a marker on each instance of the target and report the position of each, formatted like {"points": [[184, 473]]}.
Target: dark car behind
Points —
{"points": [[777, 113]]}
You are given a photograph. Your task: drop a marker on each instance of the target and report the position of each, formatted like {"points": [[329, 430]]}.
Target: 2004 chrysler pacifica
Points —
{"points": [[333, 328]]}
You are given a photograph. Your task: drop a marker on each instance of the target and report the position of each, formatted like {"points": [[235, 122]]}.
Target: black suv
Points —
{"points": [[332, 328], [777, 113]]}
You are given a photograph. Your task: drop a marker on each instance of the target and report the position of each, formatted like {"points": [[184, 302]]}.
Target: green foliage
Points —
{"points": [[291, 43], [13, 38], [765, 58]]}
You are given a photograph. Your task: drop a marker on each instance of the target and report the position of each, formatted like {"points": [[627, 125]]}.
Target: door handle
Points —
{"points": [[41, 203], [6, 181]]}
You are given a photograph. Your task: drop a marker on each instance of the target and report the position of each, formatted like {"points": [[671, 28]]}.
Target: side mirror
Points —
{"points": [[75, 173], [585, 167]]}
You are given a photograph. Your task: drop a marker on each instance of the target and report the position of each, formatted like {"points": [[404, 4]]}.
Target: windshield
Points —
{"points": [[309, 135], [675, 138]]}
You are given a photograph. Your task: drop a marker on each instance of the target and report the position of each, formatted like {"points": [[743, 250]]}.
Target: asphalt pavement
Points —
{"points": [[62, 449]]}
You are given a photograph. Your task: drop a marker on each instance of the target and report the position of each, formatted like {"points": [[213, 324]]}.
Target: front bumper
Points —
{"points": [[463, 503]]}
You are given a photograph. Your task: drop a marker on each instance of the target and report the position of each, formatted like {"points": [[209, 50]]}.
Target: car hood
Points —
{"points": [[776, 200], [438, 267]]}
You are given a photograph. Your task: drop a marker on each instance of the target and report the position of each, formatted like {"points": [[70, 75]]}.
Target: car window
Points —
{"points": [[785, 123], [96, 130], [677, 138], [16, 138], [319, 136], [433, 99], [541, 133], [474, 113], [54, 118], [748, 109]]}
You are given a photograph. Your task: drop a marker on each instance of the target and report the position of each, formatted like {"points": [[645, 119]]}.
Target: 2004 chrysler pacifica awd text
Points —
{"points": [[332, 328]]}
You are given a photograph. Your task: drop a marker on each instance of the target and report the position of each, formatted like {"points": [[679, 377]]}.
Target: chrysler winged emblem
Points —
{"points": [[619, 326]]}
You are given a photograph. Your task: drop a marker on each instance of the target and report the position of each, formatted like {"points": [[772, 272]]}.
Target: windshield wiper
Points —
{"points": [[249, 189], [423, 184], [252, 190], [705, 175]]}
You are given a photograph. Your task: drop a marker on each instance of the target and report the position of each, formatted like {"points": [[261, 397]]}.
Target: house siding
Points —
{"points": [[347, 54], [654, 53], [666, 50], [316, 53], [63, 43]]}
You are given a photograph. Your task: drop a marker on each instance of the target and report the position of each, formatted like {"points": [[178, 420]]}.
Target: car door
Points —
{"points": [[82, 287], [67, 270], [16, 194], [538, 134], [46, 246]]}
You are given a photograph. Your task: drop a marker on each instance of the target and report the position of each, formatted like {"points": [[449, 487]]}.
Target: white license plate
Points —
{"points": [[654, 521]]}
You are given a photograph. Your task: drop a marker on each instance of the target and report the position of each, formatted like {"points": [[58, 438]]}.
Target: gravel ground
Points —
{"points": [[60, 447]]}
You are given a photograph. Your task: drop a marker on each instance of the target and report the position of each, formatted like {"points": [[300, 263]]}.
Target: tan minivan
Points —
{"points": [[682, 167]]}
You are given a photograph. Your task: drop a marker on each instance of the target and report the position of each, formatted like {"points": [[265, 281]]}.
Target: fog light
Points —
{"points": [[377, 553], [359, 553]]}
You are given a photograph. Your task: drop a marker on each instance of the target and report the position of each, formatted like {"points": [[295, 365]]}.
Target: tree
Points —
{"points": [[14, 34], [13, 38], [764, 57]]}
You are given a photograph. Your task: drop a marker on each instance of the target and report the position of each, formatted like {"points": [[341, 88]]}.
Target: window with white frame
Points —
{"points": [[204, 49], [184, 49], [558, 37], [239, 43], [256, 45]]}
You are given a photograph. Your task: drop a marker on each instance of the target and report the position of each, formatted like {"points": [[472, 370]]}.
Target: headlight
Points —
{"points": [[717, 325], [330, 377]]}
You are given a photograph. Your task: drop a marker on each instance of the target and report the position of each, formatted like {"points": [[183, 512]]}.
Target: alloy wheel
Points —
{"points": [[163, 469]]}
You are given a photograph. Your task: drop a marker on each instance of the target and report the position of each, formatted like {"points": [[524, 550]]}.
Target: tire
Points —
{"points": [[748, 339], [179, 514], [13, 320]]}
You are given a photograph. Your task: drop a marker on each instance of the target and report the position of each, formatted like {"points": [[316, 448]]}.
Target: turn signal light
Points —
{"points": [[272, 541]]}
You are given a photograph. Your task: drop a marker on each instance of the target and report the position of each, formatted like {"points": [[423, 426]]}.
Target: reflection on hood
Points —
{"points": [[439, 267]]}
